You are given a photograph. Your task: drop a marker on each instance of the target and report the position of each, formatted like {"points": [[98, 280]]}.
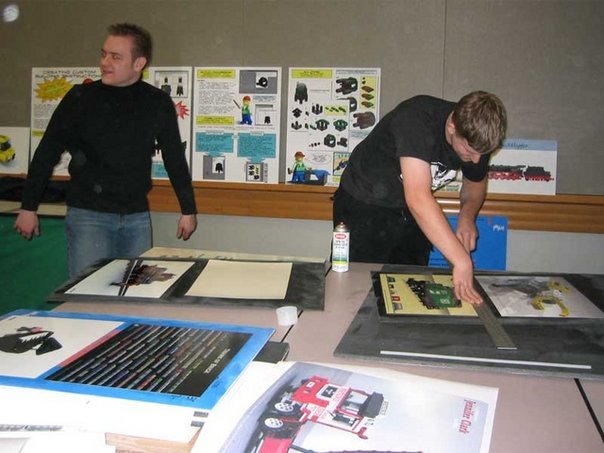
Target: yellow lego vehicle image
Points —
{"points": [[7, 153]]}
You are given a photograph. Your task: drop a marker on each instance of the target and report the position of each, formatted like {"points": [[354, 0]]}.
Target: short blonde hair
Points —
{"points": [[481, 119]]}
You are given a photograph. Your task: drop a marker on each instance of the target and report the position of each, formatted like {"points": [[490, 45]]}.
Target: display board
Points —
{"points": [[329, 111], [48, 87], [237, 124], [177, 82], [524, 166], [14, 150]]}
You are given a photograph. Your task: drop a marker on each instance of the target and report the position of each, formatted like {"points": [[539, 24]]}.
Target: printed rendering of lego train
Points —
{"points": [[516, 172]]}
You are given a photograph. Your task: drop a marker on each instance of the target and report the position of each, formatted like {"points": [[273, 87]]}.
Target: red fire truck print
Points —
{"points": [[316, 400]]}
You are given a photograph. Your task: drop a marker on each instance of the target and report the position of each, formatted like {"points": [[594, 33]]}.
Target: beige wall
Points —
{"points": [[543, 58]]}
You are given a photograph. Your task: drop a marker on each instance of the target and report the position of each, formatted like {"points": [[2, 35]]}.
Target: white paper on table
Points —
{"points": [[257, 378], [106, 281], [12, 444], [242, 280], [78, 412], [67, 443]]}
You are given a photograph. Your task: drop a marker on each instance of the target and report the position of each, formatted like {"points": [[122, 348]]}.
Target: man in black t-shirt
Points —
{"points": [[386, 191]]}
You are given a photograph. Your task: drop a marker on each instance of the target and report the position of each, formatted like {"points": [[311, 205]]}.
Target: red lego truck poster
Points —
{"points": [[316, 408]]}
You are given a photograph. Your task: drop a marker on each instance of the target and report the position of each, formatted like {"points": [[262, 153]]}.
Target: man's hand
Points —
{"points": [[463, 283], [27, 224], [186, 226]]}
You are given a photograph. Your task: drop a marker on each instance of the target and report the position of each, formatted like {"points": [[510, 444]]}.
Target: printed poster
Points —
{"points": [[135, 277], [329, 111], [524, 166], [183, 363], [14, 150], [537, 297], [421, 294], [319, 408], [177, 82], [49, 86], [236, 124]]}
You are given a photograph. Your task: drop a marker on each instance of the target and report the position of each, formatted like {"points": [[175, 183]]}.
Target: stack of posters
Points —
{"points": [[321, 408], [80, 370], [555, 322]]}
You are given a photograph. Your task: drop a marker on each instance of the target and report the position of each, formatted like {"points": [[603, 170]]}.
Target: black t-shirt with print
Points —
{"points": [[415, 128]]}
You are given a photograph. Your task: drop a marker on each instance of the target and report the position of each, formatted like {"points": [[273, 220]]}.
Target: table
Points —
{"points": [[536, 414]]}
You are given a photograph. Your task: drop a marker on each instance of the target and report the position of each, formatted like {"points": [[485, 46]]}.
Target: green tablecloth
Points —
{"points": [[30, 270]]}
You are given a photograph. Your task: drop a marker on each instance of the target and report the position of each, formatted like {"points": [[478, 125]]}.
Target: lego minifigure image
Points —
{"points": [[246, 116], [298, 169]]}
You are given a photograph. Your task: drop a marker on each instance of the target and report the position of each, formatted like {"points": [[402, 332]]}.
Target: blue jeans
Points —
{"points": [[93, 236]]}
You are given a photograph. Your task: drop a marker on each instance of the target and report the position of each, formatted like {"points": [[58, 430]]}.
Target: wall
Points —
{"points": [[528, 251], [543, 58]]}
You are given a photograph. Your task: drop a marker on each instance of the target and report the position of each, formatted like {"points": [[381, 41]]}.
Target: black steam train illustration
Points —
{"points": [[517, 172]]}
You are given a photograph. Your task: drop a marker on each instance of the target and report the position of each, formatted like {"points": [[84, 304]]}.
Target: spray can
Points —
{"points": [[340, 248]]}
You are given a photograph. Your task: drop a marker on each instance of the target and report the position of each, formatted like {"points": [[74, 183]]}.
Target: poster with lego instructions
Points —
{"points": [[14, 150], [177, 82], [48, 87], [236, 124], [329, 111]]}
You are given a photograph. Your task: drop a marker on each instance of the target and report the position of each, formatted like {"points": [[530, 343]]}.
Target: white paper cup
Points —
{"points": [[287, 315]]}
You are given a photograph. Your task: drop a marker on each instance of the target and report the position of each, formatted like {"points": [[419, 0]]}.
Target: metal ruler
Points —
{"points": [[494, 329]]}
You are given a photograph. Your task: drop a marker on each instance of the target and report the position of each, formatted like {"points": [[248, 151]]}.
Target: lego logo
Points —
{"points": [[340, 235]]}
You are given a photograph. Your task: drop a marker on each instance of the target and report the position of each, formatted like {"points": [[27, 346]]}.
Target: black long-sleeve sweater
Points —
{"points": [[111, 134]]}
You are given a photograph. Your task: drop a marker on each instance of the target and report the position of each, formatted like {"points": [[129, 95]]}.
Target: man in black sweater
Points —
{"points": [[111, 127]]}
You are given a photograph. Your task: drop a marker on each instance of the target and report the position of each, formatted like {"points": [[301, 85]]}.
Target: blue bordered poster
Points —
{"points": [[183, 363]]}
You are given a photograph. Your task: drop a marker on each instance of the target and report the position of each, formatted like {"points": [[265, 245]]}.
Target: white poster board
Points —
{"points": [[177, 82], [48, 87], [330, 111], [525, 167], [236, 124], [14, 150]]}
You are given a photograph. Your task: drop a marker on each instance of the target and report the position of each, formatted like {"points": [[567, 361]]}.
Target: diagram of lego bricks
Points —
{"points": [[330, 110], [236, 124]]}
